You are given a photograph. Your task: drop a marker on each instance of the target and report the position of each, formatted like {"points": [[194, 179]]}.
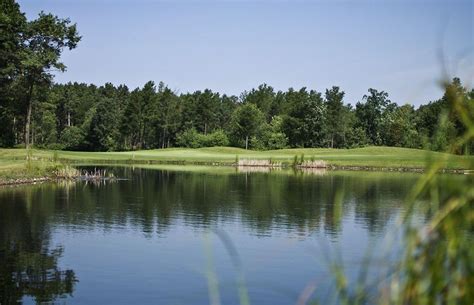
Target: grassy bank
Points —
{"points": [[18, 171], [13, 164]]}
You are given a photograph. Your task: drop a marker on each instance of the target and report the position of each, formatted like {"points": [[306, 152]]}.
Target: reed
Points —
{"points": [[257, 163], [60, 171], [313, 164], [97, 174]]}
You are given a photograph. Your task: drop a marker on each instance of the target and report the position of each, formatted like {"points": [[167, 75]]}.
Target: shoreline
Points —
{"points": [[329, 167], [277, 165], [20, 166], [22, 181]]}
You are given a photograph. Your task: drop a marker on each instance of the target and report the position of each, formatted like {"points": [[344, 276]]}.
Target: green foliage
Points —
{"points": [[207, 110], [217, 138], [443, 134], [270, 136], [437, 261], [262, 97], [277, 140], [193, 139], [55, 146], [43, 41], [13, 23], [335, 117], [246, 120], [72, 138], [7, 134], [399, 128], [44, 125], [188, 138], [153, 118], [132, 122], [103, 132], [357, 137], [33, 110], [149, 109], [295, 160], [372, 113], [439, 258], [303, 122], [167, 118]]}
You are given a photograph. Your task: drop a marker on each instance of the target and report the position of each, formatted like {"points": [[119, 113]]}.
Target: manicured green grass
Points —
{"points": [[375, 157]]}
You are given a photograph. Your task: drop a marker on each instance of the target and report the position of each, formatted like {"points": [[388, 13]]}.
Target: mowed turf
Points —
{"points": [[384, 157]]}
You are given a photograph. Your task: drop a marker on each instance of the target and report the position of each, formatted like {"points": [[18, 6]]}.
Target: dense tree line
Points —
{"points": [[75, 116]]}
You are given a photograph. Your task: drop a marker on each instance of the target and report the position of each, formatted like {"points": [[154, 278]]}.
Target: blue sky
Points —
{"points": [[231, 46]]}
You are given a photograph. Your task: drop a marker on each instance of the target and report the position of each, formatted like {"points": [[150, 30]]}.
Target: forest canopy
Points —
{"points": [[35, 111]]}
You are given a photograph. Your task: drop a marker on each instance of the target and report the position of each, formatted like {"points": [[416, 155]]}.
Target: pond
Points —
{"points": [[197, 236]]}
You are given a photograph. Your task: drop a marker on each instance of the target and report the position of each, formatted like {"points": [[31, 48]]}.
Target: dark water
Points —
{"points": [[173, 237]]}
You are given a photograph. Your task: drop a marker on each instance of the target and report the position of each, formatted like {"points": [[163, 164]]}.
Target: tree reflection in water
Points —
{"points": [[29, 264], [301, 204]]}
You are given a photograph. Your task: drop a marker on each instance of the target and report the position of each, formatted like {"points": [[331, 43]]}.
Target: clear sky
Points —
{"points": [[231, 46]]}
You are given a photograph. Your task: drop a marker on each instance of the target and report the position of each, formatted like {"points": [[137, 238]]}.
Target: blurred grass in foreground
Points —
{"points": [[437, 261]]}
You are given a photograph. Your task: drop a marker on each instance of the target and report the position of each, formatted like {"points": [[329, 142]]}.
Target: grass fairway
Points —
{"points": [[12, 160]]}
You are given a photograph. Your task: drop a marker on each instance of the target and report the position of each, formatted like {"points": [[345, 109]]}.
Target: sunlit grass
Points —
{"points": [[11, 170], [386, 157]]}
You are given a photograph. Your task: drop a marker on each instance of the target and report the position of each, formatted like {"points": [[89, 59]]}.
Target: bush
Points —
{"points": [[269, 141], [357, 138], [72, 137], [277, 140], [217, 138], [270, 136], [55, 146], [257, 143], [188, 138], [193, 139]]}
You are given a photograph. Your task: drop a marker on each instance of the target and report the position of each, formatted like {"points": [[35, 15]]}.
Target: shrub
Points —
{"points": [[72, 137], [188, 138], [193, 139], [277, 140], [270, 136], [357, 138], [217, 138], [257, 143], [55, 146]]}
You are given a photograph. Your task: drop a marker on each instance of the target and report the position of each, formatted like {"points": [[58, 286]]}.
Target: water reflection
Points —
{"points": [[264, 212], [272, 202], [29, 263], [264, 202]]}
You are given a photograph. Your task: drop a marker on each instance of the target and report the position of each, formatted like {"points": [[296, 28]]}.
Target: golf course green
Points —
{"points": [[14, 164]]}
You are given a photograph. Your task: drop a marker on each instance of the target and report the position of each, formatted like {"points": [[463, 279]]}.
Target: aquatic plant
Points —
{"points": [[313, 164], [63, 171]]}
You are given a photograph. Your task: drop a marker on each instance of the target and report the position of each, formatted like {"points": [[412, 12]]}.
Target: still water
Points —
{"points": [[162, 236]]}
